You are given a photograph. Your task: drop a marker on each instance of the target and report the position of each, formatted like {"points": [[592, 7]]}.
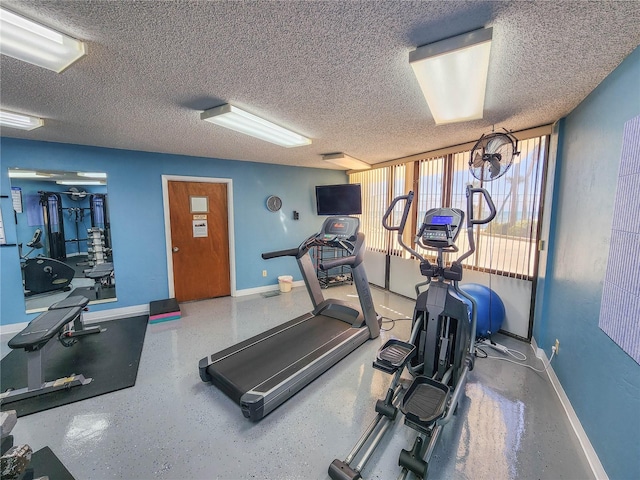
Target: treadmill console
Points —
{"points": [[339, 228], [441, 227]]}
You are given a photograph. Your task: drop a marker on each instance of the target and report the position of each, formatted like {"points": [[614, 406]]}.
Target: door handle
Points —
{"points": [[175, 249]]}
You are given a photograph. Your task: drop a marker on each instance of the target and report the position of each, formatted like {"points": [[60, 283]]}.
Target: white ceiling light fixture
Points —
{"points": [[92, 174], [452, 74], [80, 182], [345, 161], [26, 174], [237, 119], [19, 120], [34, 43]]}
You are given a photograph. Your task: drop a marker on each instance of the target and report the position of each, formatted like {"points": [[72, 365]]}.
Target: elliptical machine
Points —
{"points": [[43, 274], [440, 351]]}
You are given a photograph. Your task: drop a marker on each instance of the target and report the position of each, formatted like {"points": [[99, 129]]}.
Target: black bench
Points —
{"points": [[34, 339], [100, 274], [78, 328]]}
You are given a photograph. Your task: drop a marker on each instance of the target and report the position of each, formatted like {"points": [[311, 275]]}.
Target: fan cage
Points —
{"points": [[492, 156]]}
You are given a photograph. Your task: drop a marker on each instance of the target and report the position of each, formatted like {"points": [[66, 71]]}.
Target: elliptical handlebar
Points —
{"points": [[471, 222], [403, 221], [492, 208], [400, 228]]}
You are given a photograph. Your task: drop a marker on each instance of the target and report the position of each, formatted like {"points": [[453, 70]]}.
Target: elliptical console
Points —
{"points": [[440, 228]]}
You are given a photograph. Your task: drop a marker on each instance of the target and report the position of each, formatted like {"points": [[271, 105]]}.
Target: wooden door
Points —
{"points": [[199, 240]]}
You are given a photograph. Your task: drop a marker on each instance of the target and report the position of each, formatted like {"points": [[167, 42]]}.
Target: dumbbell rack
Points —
{"points": [[96, 248]]}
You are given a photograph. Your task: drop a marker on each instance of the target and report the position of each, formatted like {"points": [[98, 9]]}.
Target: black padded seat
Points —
{"points": [[101, 270], [43, 328], [72, 301]]}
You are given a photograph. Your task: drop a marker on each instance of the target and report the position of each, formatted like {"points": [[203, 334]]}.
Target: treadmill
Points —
{"points": [[264, 371]]}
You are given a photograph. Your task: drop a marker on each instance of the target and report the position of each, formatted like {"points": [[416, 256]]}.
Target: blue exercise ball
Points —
{"points": [[491, 313]]}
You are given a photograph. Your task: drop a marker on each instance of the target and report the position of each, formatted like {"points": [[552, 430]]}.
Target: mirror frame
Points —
{"points": [[72, 254]]}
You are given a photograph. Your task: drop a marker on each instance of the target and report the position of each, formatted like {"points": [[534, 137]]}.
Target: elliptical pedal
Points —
{"points": [[424, 403], [394, 355]]}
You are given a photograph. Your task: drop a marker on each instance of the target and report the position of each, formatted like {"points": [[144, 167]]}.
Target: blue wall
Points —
{"points": [[137, 218], [600, 379]]}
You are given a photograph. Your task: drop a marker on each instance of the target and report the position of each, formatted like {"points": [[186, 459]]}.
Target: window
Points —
{"points": [[379, 187], [375, 199], [431, 185], [506, 246], [398, 173], [509, 242]]}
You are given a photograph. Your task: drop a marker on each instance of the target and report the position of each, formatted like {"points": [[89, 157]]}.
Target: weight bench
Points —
{"points": [[100, 273], [34, 339], [78, 329]]}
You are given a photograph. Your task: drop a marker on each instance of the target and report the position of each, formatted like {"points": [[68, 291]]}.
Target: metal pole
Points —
{"points": [[363, 439], [371, 448], [435, 434], [456, 396]]}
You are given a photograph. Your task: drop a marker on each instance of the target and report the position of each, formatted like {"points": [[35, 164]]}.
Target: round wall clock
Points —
{"points": [[274, 203]]}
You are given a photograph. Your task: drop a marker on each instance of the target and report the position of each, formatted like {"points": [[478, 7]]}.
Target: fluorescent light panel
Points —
{"points": [[345, 161], [81, 182], [26, 174], [33, 43], [92, 174], [236, 119], [19, 120], [452, 74]]}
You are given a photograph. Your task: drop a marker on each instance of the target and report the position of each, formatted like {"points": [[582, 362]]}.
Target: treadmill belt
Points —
{"points": [[253, 366]]}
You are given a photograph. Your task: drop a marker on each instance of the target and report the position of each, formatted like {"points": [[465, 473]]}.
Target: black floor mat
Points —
{"points": [[45, 463], [111, 358], [78, 259]]}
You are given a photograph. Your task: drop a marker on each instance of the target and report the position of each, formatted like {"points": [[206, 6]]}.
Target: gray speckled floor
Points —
{"points": [[170, 425]]}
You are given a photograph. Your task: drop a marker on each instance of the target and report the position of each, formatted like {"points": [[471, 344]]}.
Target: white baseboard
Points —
{"points": [[124, 312], [115, 313], [266, 288], [12, 328], [592, 457], [89, 317]]}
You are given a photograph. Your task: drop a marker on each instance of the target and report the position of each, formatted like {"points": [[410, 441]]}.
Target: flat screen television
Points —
{"points": [[339, 199]]}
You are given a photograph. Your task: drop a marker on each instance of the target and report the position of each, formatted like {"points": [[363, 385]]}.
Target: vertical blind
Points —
{"points": [[375, 199], [398, 174], [506, 246]]}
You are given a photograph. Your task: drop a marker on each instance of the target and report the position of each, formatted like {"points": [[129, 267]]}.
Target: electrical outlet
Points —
{"points": [[557, 345], [264, 273]]}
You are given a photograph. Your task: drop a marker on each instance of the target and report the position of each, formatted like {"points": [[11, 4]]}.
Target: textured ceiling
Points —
{"points": [[335, 71]]}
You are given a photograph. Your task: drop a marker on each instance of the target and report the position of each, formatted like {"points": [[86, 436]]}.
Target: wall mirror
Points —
{"points": [[64, 236]]}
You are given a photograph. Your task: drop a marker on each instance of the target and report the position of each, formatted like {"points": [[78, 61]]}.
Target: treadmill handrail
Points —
{"points": [[337, 262], [351, 260], [291, 252], [298, 252]]}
